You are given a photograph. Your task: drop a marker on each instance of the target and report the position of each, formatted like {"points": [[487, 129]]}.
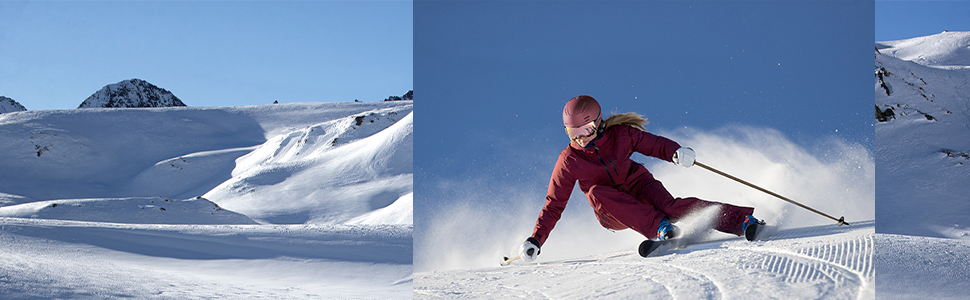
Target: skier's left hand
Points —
{"points": [[529, 249], [684, 157]]}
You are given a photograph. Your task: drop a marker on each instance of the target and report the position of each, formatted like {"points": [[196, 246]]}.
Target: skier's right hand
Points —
{"points": [[684, 157], [529, 249]]}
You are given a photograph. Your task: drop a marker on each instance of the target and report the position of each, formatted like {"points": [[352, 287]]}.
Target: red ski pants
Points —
{"points": [[643, 208]]}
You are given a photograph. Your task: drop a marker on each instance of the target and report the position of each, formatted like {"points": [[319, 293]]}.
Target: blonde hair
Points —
{"points": [[632, 119]]}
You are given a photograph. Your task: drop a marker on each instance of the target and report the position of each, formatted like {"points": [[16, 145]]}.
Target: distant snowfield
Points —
{"points": [[922, 161], [305, 200]]}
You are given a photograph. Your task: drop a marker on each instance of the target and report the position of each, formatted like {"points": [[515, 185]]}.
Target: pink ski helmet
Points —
{"points": [[581, 116], [580, 111]]}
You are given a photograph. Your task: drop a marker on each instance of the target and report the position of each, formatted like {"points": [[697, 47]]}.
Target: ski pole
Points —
{"points": [[840, 220], [509, 260]]}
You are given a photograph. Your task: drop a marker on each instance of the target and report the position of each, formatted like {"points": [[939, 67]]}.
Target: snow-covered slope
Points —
{"points": [[823, 262], [131, 93], [921, 152], [334, 171], [152, 210], [944, 50], [105, 203], [55, 259], [8, 105], [922, 161], [311, 161]]}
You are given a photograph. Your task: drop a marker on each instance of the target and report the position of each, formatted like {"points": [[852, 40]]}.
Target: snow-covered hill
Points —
{"points": [[947, 49], [131, 93], [123, 188], [151, 210], [8, 105], [335, 171], [922, 161]]}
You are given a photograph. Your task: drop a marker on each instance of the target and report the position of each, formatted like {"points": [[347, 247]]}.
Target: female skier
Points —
{"points": [[623, 193]]}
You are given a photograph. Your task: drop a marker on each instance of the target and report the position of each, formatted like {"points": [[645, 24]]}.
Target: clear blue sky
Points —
{"points": [[53, 55], [494, 76], [897, 20]]}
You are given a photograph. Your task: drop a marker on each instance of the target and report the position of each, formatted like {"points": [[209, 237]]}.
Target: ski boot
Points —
{"points": [[666, 230], [750, 227]]}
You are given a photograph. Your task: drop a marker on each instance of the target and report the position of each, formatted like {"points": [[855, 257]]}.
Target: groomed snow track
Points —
{"points": [[827, 262]]}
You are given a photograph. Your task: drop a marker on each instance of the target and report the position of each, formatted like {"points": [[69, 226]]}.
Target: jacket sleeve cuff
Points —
{"points": [[534, 241]]}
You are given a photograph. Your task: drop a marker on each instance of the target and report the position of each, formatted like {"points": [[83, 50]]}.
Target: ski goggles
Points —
{"points": [[581, 131]]}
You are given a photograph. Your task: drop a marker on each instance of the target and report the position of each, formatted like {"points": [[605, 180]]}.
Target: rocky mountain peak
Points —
{"points": [[9, 105], [132, 93]]}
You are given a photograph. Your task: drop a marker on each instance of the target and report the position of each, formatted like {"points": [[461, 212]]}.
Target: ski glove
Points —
{"points": [[530, 249], [684, 157]]}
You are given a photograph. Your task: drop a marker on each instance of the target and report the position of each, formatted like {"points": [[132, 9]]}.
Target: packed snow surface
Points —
{"points": [[922, 161], [55, 259], [304, 200], [819, 262]]}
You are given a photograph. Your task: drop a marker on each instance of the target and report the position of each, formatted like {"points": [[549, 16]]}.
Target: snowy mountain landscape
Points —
{"points": [[297, 200], [922, 159]]}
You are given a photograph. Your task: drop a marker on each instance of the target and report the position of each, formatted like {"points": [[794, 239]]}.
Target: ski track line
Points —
{"points": [[714, 293], [831, 255], [701, 285], [709, 288], [565, 281], [702, 281]]}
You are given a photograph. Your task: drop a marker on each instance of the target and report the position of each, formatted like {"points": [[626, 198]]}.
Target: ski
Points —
{"points": [[754, 231], [755, 228], [648, 247]]}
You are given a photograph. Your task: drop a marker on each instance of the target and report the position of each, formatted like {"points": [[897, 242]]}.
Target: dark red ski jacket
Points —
{"points": [[606, 162]]}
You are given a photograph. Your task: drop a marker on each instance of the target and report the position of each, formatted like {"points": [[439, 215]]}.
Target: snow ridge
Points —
{"points": [[154, 210], [131, 93], [948, 49]]}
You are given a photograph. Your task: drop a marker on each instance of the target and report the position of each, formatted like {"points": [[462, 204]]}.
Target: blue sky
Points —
{"points": [[494, 76], [503, 70], [53, 55], [897, 20]]}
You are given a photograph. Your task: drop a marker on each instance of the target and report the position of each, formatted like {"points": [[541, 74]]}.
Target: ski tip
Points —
{"points": [[751, 233], [644, 249], [647, 247]]}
